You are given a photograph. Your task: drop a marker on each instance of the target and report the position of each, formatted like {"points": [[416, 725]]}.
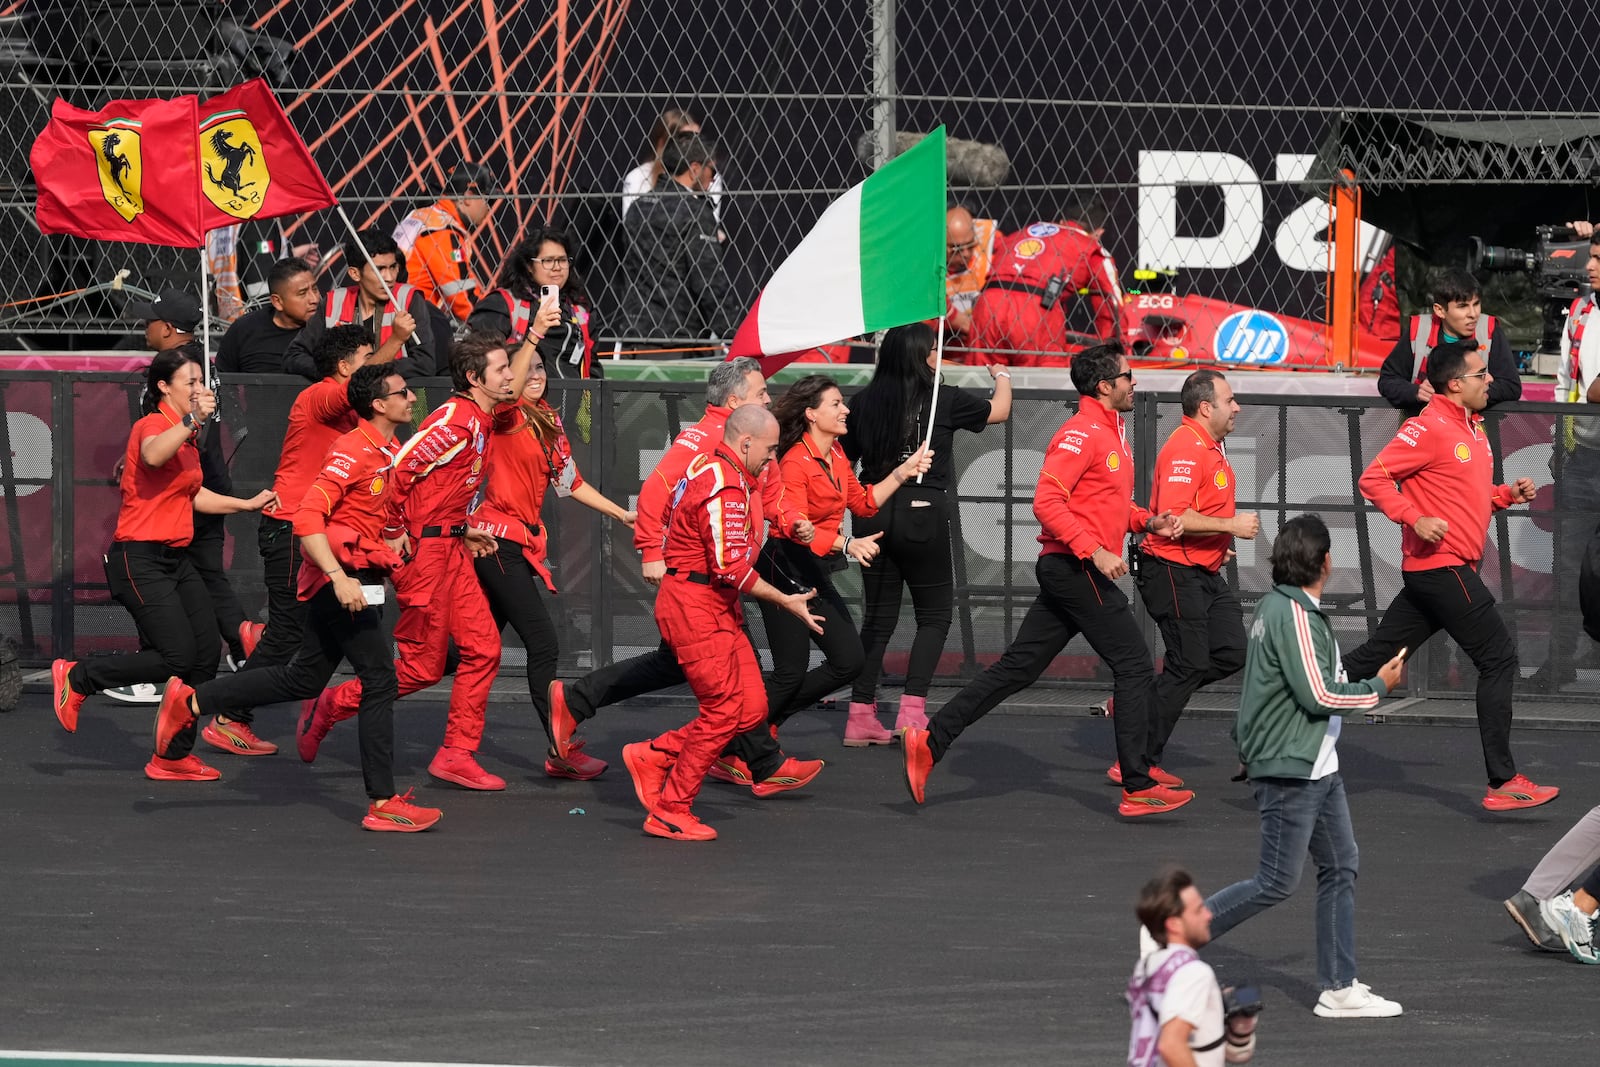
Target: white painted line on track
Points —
{"points": [[14, 1055]]}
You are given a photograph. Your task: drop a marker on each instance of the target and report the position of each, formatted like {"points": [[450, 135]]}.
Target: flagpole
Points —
{"points": [[205, 316], [376, 273], [933, 407]]}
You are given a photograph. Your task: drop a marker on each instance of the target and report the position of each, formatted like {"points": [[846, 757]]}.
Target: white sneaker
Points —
{"points": [[1147, 944], [1563, 916], [137, 693], [1355, 1001]]}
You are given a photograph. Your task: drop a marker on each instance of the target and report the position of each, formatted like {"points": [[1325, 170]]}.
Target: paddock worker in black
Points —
{"points": [[892, 415]]}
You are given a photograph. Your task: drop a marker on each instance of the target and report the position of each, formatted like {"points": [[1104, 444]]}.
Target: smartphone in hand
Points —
{"points": [[549, 294]]}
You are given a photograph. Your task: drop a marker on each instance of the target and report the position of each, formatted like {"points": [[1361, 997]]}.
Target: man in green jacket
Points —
{"points": [[1290, 714]]}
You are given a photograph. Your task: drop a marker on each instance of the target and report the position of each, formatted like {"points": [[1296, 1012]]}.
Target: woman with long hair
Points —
{"points": [[513, 310], [892, 417], [816, 487], [148, 567], [531, 456]]}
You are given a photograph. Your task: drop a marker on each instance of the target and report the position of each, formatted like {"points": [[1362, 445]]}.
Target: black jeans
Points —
{"points": [[173, 612], [331, 634], [280, 570], [1455, 600], [516, 595], [916, 555], [1202, 625], [1073, 598], [790, 686], [205, 551]]}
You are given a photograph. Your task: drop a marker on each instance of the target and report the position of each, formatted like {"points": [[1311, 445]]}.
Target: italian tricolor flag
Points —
{"points": [[875, 259]]}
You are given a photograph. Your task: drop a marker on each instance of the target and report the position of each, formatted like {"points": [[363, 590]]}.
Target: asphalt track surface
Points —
{"points": [[839, 924]]}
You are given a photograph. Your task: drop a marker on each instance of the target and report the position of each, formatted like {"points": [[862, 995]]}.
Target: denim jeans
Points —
{"points": [[1300, 816]]}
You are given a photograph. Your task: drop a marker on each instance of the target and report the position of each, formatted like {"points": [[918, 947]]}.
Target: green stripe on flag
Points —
{"points": [[902, 237]]}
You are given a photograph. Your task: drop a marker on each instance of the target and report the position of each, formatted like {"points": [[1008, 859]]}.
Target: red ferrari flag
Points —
{"points": [[252, 162], [128, 172]]}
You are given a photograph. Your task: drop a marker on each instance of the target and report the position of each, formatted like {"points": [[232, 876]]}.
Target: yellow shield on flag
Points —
{"points": [[233, 168], [117, 157]]}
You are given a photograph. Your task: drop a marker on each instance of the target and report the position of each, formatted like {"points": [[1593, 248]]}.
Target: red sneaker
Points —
{"points": [[1519, 792], [250, 636], [313, 725], [175, 715], [575, 765], [919, 761], [399, 815], [677, 826], [731, 769], [67, 703], [235, 737], [1171, 781], [187, 769], [792, 775], [649, 769], [460, 767], [1156, 800], [562, 724]]}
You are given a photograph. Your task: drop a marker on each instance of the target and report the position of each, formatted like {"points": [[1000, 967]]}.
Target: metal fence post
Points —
{"points": [[883, 88]]}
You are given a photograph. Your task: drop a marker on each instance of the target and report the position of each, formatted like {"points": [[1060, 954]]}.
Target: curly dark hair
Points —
{"points": [[516, 273], [790, 408]]}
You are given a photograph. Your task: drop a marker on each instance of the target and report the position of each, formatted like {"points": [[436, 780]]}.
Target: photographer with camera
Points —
{"points": [[1457, 314], [1180, 1016]]}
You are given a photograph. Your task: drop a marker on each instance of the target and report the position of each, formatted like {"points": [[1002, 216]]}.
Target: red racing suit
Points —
{"points": [[712, 537], [1047, 263], [438, 481]]}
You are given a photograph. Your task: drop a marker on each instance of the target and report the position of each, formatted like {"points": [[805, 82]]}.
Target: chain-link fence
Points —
{"points": [[1210, 131]]}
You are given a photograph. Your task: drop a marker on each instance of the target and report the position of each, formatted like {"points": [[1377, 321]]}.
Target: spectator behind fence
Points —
{"points": [[1457, 315], [512, 310], [1023, 305], [258, 342], [969, 255], [891, 419], [437, 243], [400, 329], [241, 257], [646, 177], [677, 284]]}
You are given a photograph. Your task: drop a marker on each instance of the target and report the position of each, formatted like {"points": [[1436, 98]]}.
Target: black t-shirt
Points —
{"points": [[958, 410], [254, 344]]}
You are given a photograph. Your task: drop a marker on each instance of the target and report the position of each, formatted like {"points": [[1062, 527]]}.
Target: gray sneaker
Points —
{"points": [[1524, 911], [1576, 928], [137, 693]]}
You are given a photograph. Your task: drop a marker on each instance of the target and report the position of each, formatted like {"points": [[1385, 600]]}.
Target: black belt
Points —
{"points": [[534, 529], [459, 530], [1014, 287], [158, 549], [690, 576], [278, 519]]}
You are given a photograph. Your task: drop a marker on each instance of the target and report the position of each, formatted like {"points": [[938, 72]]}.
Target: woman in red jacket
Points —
{"points": [[532, 455], [817, 487], [147, 567]]}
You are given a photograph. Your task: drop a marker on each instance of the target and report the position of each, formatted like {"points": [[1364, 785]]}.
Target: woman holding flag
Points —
{"points": [[148, 567], [897, 411], [817, 485]]}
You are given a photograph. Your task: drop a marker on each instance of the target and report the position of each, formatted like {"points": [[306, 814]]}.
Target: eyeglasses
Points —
{"points": [[554, 262], [1128, 374], [964, 246], [1474, 374]]}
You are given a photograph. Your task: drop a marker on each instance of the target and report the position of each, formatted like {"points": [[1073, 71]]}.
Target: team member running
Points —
{"points": [[438, 477], [531, 456], [148, 567], [1084, 502], [817, 485], [340, 526], [709, 549], [1446, 493], [892, 416]]}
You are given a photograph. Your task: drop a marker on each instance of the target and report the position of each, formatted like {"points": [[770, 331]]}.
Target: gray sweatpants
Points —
{"points": [[1572, 857]]}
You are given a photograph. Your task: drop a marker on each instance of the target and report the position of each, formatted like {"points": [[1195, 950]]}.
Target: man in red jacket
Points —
{"points": [[1022, 308], [1446, 493], [1084, 503], [712, 536]]}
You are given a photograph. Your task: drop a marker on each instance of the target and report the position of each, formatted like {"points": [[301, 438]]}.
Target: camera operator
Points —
{"points": [[1457, 314], [1179, 1015]]}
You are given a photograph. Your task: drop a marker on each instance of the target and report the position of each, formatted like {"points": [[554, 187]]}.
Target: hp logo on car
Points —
{"points": [[1251, 337]]}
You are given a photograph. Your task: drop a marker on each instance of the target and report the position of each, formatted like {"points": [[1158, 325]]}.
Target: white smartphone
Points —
{"points": [[373, 594], [549, 294]]}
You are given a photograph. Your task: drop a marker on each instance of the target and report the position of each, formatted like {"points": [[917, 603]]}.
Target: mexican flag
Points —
{"points": [[875, 259]]}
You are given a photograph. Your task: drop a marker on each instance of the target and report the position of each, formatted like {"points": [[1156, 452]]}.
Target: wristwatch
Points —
{"points": [[189, 422]]}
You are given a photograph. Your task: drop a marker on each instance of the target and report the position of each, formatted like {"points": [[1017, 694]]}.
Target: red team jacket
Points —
{"points": [[321, 414], [819, 489], [1442, 460], [1084, 500], [525, 468], [1047, 250], [349, 501], [714, 525], [1192, 471]]}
